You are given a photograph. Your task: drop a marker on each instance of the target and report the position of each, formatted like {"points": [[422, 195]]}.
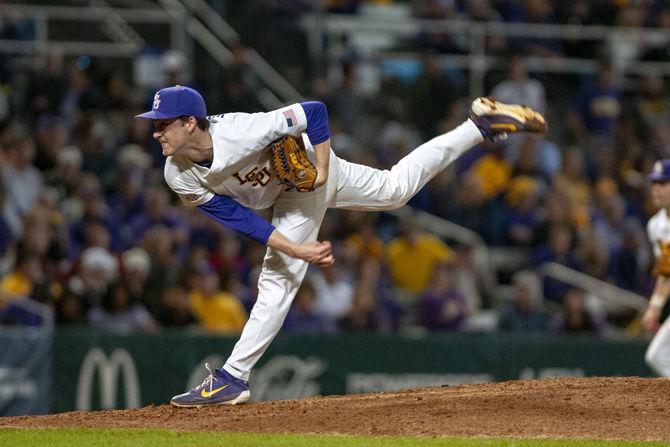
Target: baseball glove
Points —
{"points": [[662, 266], [291, 165]]}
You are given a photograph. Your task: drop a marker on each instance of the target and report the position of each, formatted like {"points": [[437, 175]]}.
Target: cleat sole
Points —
{"points": [[528, 119], [241, 399]]}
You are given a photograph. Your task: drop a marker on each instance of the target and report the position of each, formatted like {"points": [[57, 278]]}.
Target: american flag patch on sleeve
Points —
{"points": [[291, 119]]}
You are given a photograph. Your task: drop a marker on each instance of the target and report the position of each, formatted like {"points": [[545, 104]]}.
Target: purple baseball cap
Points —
{"points": [[173, 102], [660, 172]]}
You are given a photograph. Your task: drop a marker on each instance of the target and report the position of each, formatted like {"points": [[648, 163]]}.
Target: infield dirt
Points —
{"points": [[600, 408]]}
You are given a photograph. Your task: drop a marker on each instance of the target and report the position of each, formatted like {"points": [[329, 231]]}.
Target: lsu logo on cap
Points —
{"points": [[157, 101], [660, 171], [658, 167]]}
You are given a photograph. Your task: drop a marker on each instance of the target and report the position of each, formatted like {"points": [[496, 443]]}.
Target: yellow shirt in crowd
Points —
{"points": [[17, 283], [494, 174], [412, 265], [222, 312]]}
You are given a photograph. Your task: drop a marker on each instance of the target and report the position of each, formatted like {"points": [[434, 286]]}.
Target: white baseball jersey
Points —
{"points": [[658, 231], [241, 167]]}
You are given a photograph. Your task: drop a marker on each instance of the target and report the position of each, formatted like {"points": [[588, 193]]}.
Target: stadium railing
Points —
{"points": [[332, 28], [611, 299]]}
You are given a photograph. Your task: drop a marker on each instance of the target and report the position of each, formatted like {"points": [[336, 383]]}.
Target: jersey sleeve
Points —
{"points": [[186, 185], [237, 217], [318, 129]]}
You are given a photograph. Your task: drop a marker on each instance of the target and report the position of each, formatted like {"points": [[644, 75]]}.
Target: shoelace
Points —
{"points": [[209, 379]]}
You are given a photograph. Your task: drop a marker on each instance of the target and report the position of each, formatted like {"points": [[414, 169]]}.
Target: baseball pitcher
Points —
{"points": [[658, 230], [283, 159]]}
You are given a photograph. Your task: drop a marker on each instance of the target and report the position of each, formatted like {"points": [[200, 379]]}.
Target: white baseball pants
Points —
{"points": [[658, 352], [298, 216]]}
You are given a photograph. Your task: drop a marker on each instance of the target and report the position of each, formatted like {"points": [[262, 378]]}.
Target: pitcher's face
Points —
{"points": [[660, 194], [173, 135]]}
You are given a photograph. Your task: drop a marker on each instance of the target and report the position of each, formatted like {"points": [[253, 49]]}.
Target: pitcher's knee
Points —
{"points": [[395, 199]]}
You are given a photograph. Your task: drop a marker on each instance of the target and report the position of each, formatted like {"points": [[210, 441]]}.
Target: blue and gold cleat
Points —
{"points": [[496, 120], [219, 388]]}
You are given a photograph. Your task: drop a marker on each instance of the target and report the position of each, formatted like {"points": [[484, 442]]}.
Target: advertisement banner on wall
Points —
{"points": [[25, 371], [99, 371]]}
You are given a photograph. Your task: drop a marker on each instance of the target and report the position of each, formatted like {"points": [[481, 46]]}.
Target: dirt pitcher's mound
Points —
{"points": [[605, 408]]}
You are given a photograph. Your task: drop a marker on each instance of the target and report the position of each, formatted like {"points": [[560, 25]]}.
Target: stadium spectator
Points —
{"points": [[47, 85], [412, 257], [443, 308], [625, 44], [493, 172], [175, 309], [521, 212], [536, 157], [524, 313], [69, 309], [575, 318], [398, 135], [156, 212], [128, 203], [472, 208], [598, 107], [370, 310], [303, 318], [20, 282], [175, 68], [82, 94], [365, 240], [135, 266], [22, 181], [592, 254], [159, 244], [118, 313], [227, 254], [98, 269], [217, 311], [348, 104], [334, 290], [362, 316], [651, 105], [518, 87], [93, 223], [240, 81], [51, 137], [559, 249], [572, 188], [431, 93]]}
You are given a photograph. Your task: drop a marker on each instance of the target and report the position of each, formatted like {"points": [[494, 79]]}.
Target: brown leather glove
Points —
{"points": [[291, 165], [662, 266]]}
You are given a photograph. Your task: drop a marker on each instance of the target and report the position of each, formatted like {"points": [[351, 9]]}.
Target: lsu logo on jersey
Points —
{"points": [[255, 176]]}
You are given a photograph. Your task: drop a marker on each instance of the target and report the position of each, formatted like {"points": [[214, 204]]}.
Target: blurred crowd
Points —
{"points": [[89, 228], [653, 13]]}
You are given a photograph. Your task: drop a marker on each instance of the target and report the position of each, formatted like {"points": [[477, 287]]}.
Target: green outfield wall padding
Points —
{"points": [[94, 370]]}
